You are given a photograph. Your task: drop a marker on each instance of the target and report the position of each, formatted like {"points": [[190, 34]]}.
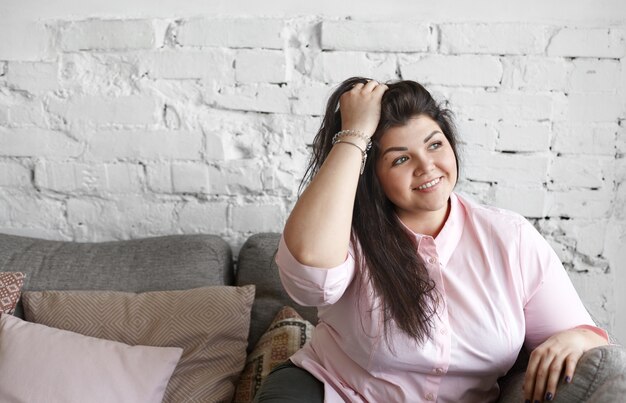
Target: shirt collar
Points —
{"points": [[450, 235]]}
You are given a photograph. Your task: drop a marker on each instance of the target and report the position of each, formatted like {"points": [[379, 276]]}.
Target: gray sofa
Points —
{"points": [[190, 261]]}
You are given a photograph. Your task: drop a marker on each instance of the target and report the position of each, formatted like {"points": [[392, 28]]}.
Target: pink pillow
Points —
{"points": [[39, 362]]}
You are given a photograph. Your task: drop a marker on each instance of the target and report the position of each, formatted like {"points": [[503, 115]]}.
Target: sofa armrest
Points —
{"points": [[599, 378]]}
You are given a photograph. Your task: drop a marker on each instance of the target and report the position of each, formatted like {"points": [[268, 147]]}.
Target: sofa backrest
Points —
{"points": [[173, 262], [255, 265]]}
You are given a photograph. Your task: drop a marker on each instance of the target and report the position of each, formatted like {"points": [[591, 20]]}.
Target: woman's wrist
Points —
{"points": [[356, 139]]}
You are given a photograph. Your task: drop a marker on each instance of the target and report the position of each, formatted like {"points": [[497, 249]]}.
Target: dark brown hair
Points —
{"points": [[397, 273]]}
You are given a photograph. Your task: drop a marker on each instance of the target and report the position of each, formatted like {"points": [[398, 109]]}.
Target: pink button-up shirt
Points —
{"points": [[501, 286]]}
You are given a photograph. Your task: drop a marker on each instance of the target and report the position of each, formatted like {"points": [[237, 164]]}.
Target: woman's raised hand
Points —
{"points": [[360, 107]]}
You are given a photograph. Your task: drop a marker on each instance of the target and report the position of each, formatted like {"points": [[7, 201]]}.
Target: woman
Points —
{"points": [[422, 294]]}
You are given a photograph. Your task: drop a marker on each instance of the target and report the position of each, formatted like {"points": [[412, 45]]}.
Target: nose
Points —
{"points": [[424, 165]]}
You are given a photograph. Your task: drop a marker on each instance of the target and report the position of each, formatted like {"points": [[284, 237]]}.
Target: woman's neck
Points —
{"points": [[430, 223]]}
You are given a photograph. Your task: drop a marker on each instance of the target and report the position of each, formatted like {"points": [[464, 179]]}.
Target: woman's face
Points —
{"points": [[417, 170]]}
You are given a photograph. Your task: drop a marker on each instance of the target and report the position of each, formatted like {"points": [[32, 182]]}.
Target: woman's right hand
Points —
{"points": [[360, 107]]}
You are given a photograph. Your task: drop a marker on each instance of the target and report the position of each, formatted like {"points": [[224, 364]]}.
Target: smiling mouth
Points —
{"points": [[429, 184]]}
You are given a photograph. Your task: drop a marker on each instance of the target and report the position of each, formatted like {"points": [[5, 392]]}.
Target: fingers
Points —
{"points": [[554, 375], [370, 86], [545, 370]]}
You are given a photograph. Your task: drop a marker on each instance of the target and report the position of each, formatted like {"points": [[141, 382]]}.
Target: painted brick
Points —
{"points": [[89, 178], [594, 107], [98, 73], [495, 38], [159, 177], [589, 235], [377, 36], [335, 67], [280, 182], [475, 133], [511, 106], [529, 202], [523, 137], [453, 70], [29, 113], [311, 99], [27, 211], [213, 64], [258, 218], [236, 177], [203, 218], [588, 42], [25, 142], [125, 110], [585, 138], [139, 145], [4, 115], [234, 135], [13, 174], [505, 168], [107, 35], [190, 178], [131, 216], [595, 75], [536, 73], [260, 65], [256, 98], [577, 171], [34, 77], [214, 149], [29, 40], [579, 203], [232, 32]]}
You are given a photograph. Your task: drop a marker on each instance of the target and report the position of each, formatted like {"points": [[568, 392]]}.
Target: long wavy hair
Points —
{"points": [[397, 273]]}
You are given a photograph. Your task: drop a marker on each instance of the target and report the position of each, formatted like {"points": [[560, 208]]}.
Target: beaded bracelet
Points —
{"points": [[338, 138], [354, 133]]}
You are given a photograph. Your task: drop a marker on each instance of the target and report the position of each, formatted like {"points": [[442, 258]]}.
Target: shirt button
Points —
{"points": [[432, 260], [439, 371], [430, 397]]}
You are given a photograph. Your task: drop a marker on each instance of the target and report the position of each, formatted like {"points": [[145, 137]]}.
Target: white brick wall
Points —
{"points": [[124, 126]]}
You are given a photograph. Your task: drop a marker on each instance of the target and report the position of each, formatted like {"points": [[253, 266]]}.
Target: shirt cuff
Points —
{"points": [[596, 330]]}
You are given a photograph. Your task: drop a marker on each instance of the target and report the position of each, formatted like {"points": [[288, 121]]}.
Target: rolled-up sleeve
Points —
{"points": [[552, 304], [313, 286]]}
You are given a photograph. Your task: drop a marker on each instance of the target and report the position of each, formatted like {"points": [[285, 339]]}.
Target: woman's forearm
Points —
{"points": [[317, 232]]}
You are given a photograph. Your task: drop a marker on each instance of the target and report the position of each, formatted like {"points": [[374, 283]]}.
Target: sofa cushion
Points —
{"points": [[210, 324], [287, 333], [43, 364], [595, 375], [10, 288], [255, 265]]}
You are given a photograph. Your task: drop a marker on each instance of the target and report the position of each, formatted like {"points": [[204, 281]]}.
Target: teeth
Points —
{"points": [[429, 184]]}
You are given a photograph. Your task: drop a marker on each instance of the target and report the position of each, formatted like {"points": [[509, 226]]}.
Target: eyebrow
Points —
{"points": [[390, 149]]}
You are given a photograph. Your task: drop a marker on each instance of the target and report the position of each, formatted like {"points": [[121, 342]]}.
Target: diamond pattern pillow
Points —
{"points": [[10, 288], [210, 324], [287, 333]]}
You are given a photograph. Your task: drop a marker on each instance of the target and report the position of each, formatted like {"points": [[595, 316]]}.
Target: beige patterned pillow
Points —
{"points": [[210, 324], [287, 333], [10, 287]]}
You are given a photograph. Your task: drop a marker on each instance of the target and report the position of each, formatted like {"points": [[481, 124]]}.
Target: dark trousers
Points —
{"points": [[289, 383]]}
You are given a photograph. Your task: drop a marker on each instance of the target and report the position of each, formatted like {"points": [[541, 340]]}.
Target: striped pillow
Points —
{"points": [[210, 324]]}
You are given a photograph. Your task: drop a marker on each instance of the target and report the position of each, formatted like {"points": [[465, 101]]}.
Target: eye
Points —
{"points": [[399, 160], [435, 145]]}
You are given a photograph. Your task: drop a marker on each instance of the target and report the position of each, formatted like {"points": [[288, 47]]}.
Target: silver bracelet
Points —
{"points": [[353, 133], [363, 152]]}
